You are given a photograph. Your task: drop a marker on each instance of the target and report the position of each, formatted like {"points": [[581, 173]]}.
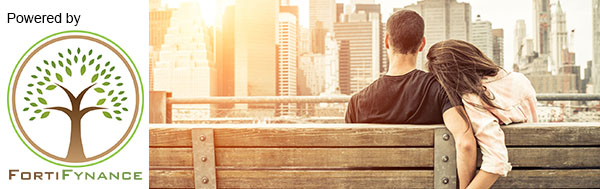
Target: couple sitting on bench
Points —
{"points": [[464, 89]]}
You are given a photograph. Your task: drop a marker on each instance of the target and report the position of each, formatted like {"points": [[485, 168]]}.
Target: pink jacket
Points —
{"points": [[514, 94]]}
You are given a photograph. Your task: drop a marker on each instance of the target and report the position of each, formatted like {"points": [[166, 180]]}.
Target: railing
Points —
{"points": [[161, 102], [337, 99]]}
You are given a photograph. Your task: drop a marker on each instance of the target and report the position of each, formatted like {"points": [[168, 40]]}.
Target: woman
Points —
{"points": [[491, 97]]}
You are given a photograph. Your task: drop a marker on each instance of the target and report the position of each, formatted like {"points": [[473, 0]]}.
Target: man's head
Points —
{"points": [[404, 32]]}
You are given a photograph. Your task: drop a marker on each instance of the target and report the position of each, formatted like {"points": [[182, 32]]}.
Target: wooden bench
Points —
{"points": [[561, 155]]}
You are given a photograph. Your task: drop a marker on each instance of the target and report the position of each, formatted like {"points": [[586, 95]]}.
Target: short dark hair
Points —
{"points": [[405, 29]]}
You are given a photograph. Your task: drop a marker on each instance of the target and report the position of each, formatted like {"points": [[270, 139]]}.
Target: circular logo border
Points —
{"points": [[111, 154]]}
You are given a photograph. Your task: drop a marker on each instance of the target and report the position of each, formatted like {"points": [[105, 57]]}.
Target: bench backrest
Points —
{"points": [[361, 156]]}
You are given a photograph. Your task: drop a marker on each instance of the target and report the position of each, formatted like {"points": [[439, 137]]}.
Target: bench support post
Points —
{"points": [[203, 147], [444, 163], [160, 110]]}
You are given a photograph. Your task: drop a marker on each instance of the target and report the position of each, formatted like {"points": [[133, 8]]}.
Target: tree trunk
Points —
{"points": [[75, 153]]}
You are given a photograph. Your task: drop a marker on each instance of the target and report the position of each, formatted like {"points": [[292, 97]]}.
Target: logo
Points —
{"points": [[75, 98]]}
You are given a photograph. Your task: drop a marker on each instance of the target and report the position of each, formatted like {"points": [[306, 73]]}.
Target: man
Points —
{"points": [[406, 95]]}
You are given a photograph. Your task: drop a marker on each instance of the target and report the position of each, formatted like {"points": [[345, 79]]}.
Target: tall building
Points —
{"points": [[287, 58], [376, 9], [186, 58], [256, 33], [339, 10], [344, 66], [596, 45], [153, 57], [311, 81], [159, 21], [311, 74], [304, 40], [519, 40], [444, 19], [482, 37], [225, 58], [558, 38], [535, 69], [154, 4], [587, 76], [358, 36], [541, 26], [498, 46], [332, 71], [322, 16]]}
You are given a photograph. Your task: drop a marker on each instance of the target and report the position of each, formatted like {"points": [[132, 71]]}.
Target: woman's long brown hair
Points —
{"points": [[460, 68]]}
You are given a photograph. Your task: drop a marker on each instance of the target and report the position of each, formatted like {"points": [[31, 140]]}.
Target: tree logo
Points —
{"points": [[75, 98]]}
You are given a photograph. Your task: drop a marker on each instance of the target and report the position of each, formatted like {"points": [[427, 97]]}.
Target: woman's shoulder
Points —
{"points": [[522, 83]]}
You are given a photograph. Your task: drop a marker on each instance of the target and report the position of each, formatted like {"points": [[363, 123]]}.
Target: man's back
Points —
{"points": [[413, 98]]}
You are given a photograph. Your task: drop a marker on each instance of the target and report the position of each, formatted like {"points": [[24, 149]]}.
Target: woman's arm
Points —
{"points": [[466, 147], [490, 138], [483, 180]]}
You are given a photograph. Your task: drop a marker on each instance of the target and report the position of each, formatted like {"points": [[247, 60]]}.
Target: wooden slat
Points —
{"points": [[395, 136], [299, 135], [554, 157], [172, 178], [524, 134], [324, 157], [548, 178], [324, 179], [298, 179], [299, 157], [552, 134], [379, 157], [171, 157], [161, 137], [575, 178], [550, 157]]}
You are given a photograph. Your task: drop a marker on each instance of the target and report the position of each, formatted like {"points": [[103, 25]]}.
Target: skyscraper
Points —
{"points": [[255, 47], [519, 41], [498, 47], [287, 57], [186, 58], [311, 74], [160, 19], [596, 45], [558, 38], [225, 58], [304, 40], [482, 37], [332, 71], [322, 16], [444, 19], [376, 8], [541, 26], [359, 38]]}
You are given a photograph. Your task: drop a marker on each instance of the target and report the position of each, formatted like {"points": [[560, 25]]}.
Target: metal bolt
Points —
{"points": [[444, 158], [445, 180], [203, 158], [202, 138], [204, 180], [446, 136]]}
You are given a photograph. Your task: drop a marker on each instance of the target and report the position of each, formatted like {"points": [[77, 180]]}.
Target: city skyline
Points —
{"points": [[350, 58], [579, 17]]}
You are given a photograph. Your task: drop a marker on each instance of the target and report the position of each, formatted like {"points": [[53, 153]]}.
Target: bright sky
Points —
{"points": [[502, 13]]}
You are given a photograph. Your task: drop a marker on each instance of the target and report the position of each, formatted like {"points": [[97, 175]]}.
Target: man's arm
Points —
{"points": [[350, 111], [466, 146]]}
